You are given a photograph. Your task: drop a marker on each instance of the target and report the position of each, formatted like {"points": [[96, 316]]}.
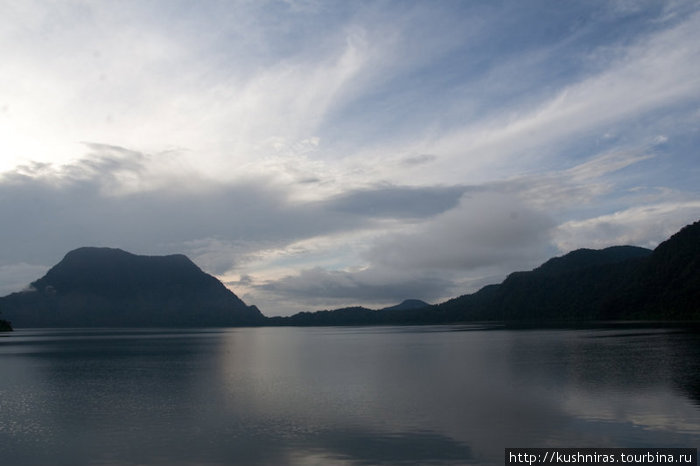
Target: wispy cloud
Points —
{"points": [[657, 72]]}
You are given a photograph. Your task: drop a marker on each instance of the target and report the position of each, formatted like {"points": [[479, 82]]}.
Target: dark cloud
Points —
{"points": [[418, 159], [108, 199], [398, 201], [46, 216]]}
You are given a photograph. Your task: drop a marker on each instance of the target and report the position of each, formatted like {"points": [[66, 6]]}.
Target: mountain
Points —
{"points": [[407, 304], [109, 287], [669, 283], [616, 283], [345, 316], [581, 285]]}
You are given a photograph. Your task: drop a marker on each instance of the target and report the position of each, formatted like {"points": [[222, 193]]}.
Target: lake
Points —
{"points": [[340, 395]]}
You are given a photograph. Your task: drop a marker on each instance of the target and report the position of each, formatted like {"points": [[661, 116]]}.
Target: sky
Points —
{"points": [[320, 154]]}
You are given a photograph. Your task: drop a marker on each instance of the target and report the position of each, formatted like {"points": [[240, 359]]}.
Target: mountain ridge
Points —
{"points": [[109, 287]]}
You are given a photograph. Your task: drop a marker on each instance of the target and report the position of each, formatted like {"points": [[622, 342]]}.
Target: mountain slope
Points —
{"points": [[625, 283], [111, 287], [670, 282]]}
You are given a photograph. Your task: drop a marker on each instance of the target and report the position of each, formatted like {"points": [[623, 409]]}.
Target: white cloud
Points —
{"points": [[577, 187], [488, 228], [645, 225], [105, 73]]}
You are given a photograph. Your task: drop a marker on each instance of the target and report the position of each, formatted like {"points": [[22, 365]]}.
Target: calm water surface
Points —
{"points": [[354, 396]]}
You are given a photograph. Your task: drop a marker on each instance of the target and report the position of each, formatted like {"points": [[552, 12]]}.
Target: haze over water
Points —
{"points": [[380, 395]]}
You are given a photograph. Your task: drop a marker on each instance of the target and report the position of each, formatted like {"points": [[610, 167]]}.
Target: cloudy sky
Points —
{"points": [[318, 154]]}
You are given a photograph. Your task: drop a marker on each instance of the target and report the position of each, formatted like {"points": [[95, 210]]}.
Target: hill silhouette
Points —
{"points": [[110, 287], [581, 285], [355, 315], [406, 305], [616, 283]]}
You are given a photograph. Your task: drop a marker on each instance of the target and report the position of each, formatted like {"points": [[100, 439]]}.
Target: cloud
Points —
{"points": [[109, 199], [16, 277], [236, 86], [644, 225], [87, 203], [488, 228], [657, 72], [153, 77], [397, 201], [580, 185], [417, 159]]}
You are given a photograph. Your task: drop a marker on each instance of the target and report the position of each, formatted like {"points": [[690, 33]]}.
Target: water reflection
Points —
{"points": [[350, 396], [624, 383]]}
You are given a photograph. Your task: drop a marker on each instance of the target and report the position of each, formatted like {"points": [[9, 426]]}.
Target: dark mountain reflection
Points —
{"points": [[632, 360], [685, 365]]}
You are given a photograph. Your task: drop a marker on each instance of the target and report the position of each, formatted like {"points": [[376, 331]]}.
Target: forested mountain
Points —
{"points": [[111, 287], [581, 285]]}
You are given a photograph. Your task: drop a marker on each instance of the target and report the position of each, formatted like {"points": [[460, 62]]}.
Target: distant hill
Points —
{"points": [[345, 316], [110, 287], [616, 283], [349, 315], [407, 304]]}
